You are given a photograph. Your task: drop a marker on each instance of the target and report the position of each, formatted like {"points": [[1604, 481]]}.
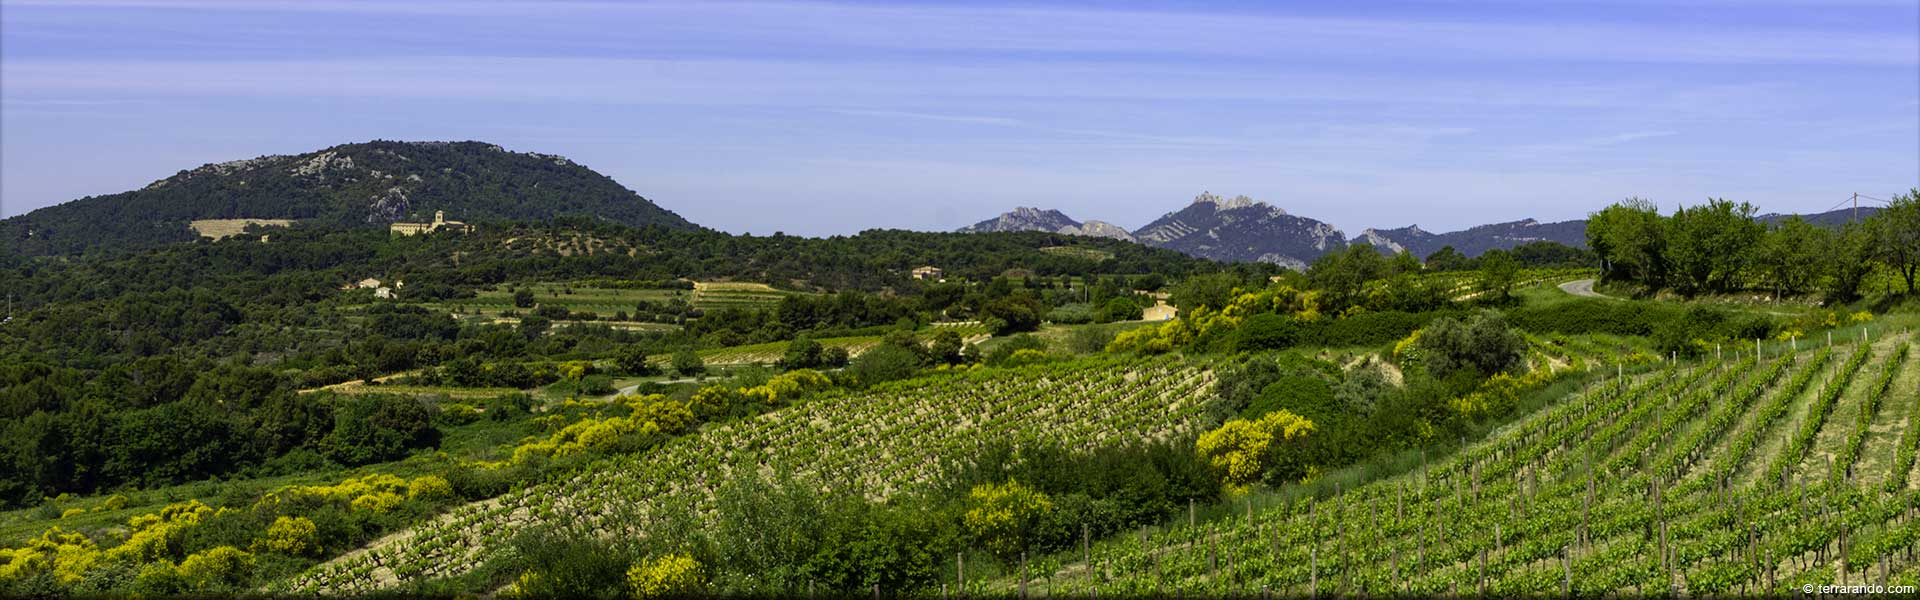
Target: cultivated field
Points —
{"points": [[874, 443], [223, 228], [1743, 475], [605, 302]]}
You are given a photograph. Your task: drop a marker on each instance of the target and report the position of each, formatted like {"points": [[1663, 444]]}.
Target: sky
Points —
{"points": [[826, 118]]}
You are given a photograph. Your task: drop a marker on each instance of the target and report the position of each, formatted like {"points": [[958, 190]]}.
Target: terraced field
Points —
{"points": [[1747, 475]]}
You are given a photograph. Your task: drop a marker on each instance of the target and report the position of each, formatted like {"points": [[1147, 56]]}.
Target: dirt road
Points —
{"points": [[1582, 287]]}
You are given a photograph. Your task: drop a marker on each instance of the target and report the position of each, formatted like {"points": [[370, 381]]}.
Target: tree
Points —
{"points": [[1343, 276], [1404, 262], [1709, 246], [802, 353], [1016, 313], [1789, 256], [687, 363], [1118, 309], [1847, 259], [532, 326], [1213, 290], [523, 299], [834, 357], [632, 360], [1483, 344], [1897, 233], [1449, 259], [883, 363], [945, 348], [1631, 241], [1498, 272]]}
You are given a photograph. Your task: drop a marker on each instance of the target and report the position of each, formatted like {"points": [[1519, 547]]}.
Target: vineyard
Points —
{"points": [[605, 302], [771, 352], [891, 439], [1742, 474]]}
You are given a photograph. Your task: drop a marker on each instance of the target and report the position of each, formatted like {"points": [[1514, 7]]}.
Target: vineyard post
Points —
{"points": [[1313, 571], [1190, 515], [876, 591], [943, 592], [809, 589], [1086, 554], [959, 572], [1566, 571], [1483, 572]]}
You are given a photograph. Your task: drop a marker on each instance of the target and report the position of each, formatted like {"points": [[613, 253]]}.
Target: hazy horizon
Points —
{"points": [[830, 118]]}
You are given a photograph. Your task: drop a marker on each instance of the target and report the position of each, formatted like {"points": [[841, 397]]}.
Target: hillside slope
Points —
{"points": [[363, 184], [1240, 229]]}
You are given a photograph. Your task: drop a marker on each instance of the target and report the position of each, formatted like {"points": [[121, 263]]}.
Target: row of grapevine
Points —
{"points": [[1631, 486], [888, 440]]}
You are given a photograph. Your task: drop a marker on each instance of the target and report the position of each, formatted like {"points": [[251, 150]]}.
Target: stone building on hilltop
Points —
{"points": [[440, 223]]}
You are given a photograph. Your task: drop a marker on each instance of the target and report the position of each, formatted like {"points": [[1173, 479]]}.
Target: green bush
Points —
{"points": [[1367, 329], [1267, 331]]}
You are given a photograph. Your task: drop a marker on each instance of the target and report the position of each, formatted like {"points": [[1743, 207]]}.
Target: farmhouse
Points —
{"points": [[440, 223], [928, 272]]}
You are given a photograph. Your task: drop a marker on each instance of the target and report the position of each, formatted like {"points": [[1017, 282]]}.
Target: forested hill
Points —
{"points": [[354, 185]]}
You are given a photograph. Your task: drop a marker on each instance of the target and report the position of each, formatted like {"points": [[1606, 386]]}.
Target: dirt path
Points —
{"points": [[1583, 288]]}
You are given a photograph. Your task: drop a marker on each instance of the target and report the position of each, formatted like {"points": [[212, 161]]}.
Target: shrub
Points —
{"points": [[430, 488], [1002, 518], [292, 536], [1238, 450], [1267, 331], [1071, 314], [225, 567], [1483, 344], [883, 363], [673, 574]]}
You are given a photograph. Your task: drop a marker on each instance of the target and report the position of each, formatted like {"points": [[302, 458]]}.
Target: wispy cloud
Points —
{"points": [[1631, 136], [901, 114]]}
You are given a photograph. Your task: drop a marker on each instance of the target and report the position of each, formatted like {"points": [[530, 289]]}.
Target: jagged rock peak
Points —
{"points": [[1240, 201]]}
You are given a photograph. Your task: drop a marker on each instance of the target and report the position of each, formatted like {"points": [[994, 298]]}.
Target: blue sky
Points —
{"points": [[829, 118]]}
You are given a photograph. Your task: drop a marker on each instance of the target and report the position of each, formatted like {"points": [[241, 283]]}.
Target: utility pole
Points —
{"points": [[1856, 207]]}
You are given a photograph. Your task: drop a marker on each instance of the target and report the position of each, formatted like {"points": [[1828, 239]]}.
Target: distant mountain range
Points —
{"points": [[1242, 229], [366, 185]]}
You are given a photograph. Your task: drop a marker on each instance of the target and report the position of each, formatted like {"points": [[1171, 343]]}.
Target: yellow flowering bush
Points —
{"points": [[222, 567], [429, 487], [292, 536], [378, 502], [1275, 299], [1238, 449], [67, 555], [1002, 517], [672, 574], [156, 535]]}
